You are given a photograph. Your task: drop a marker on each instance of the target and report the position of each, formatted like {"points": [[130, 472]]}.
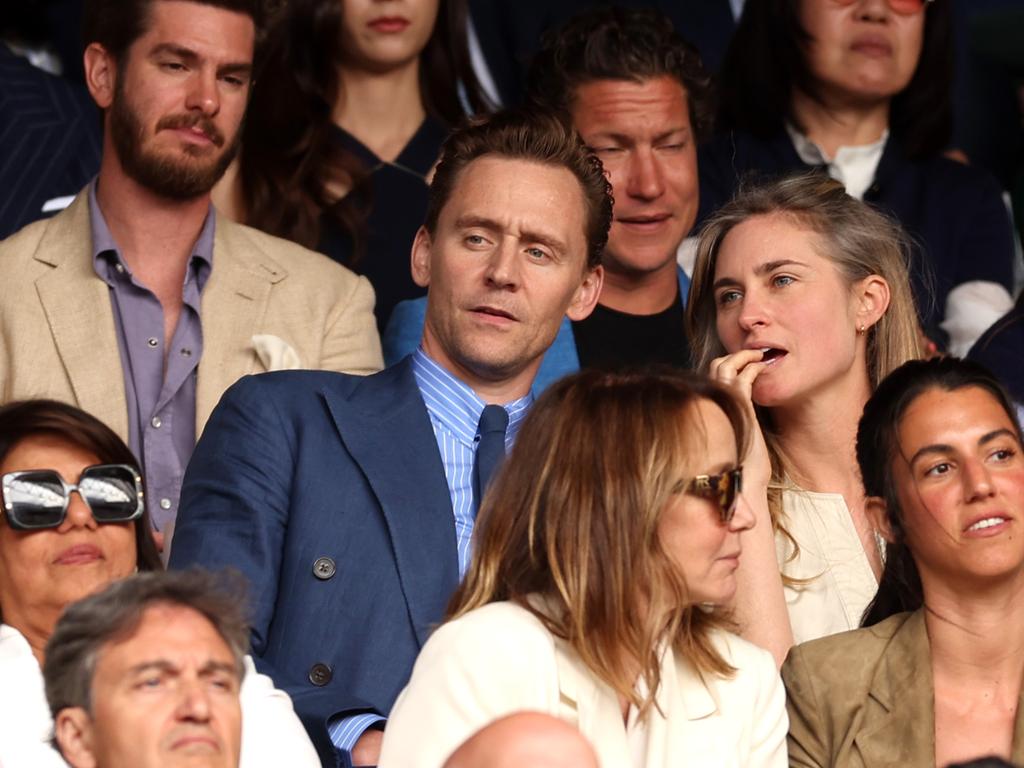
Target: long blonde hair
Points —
{"points": [[573, 519], [859, 240]]}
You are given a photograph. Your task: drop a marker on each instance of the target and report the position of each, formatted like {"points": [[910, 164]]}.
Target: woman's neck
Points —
{"points": [[835, 123], [36, 631], [382, 110], [977, 635], [818, 436]]}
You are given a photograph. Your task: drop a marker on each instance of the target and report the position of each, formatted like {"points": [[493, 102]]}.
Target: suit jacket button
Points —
{"points": [[324, 568], [320, 674]]}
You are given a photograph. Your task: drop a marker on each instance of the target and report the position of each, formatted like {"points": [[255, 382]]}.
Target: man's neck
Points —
{"points": [[640, 293], [497, 390], [152, 232], [838, 123]]}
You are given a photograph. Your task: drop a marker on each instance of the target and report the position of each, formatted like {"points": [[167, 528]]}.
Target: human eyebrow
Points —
{"points": [[761, 269], [940, 449], [236, 69], [988, 437], [212, 668], [185, 54], [159, 665], [551, 242], [477, 222]]}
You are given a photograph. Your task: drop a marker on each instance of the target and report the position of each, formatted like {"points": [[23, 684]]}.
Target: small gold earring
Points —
{"points": [[860, 330]]}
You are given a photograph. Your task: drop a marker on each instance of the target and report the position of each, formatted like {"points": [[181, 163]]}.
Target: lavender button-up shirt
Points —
{"points": [[160, 384]]}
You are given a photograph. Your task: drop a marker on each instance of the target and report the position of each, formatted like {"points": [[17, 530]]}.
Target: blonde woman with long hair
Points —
{"points": [[603, 553], [801, 301]]}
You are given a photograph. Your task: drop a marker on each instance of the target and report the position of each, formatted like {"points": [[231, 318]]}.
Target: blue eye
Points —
{"points": [[782, 280], [728, 297]]}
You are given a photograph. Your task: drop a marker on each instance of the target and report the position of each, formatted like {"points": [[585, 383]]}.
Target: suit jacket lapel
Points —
{"points": [[234, 302], [386, 429], [899, 730], [77, 307]]}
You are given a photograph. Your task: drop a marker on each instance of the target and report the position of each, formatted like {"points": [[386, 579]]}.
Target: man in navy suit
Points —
{"points": [[348, 502]]}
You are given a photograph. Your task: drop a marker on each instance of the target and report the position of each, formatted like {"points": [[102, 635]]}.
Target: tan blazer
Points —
{"points": [[500, 659], [865, 699], [57, 333]]}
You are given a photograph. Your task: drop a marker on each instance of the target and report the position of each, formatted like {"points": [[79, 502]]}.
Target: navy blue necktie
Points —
{"points": [[490, 450]]}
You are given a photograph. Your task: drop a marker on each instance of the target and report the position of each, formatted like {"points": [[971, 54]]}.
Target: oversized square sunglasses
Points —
{"points": [[39, 498], [723, 490]]}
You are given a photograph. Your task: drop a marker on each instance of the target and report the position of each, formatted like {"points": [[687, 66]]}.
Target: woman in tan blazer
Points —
{"points": [[935, 675], [611, 536]]}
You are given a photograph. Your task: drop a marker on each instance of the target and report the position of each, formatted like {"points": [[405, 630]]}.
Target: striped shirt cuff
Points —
{"points": [[345, 731]]}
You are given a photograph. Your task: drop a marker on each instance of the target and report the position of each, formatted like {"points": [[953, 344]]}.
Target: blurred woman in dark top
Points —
{"points": [[862, 89], [349, 109]]}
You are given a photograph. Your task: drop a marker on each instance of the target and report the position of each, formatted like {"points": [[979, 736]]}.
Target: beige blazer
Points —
{"points": [[500, 659], [865, 699], [57, 333]]}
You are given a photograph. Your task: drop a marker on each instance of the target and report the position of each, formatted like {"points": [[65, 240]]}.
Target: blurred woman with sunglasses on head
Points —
{"points": [[602, 556], [936, 674], [861, 89], [74, 520]]}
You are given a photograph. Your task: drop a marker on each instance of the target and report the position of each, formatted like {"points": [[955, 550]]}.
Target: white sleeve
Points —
{"points": [[272, 734], [472, 671]]}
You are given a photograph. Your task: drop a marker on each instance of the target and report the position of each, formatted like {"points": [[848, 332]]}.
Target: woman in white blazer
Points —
{"points": [[50, 557], [603, 551]]}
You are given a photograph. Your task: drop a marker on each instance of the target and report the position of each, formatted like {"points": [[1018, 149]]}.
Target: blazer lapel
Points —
{"points": [[77, 307], [899, 730], [387, 431], [234, 302]]}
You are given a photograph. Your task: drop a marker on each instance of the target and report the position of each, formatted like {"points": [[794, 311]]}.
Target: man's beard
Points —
{"points": [[169, 177]]}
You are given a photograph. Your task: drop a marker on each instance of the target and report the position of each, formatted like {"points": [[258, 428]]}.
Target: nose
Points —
{"points": [[202, 92], [79, 515], [753, 311], [977, 481], [645, 180], [195, 701], [503, 265], [872, 10], [743, 518]]}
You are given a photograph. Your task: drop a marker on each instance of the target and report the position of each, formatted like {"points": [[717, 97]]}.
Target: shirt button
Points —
{"points": [[155, 421], [152, 341], [186, 352], [165, 503], [120, 268]]}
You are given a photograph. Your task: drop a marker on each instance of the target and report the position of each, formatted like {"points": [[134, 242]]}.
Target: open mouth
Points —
{"points": [[771, 355]]}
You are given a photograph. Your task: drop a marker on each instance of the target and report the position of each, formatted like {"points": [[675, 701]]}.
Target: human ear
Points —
{"points": [[73, 731], [420, 258], [878, 514], [872, 297], [585, 298], [100, 74]]}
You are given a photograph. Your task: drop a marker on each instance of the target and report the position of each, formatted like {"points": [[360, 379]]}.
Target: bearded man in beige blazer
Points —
{"points": [[139, 303]]}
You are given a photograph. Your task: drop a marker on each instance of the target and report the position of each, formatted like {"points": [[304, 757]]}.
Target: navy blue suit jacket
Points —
{"points": [[1001, 350], [327, 491], [50, 137], [953, 212]]}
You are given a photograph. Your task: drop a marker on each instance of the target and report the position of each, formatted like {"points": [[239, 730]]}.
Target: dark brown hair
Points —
{"points": [[535, 135], [114, 614], [767, 59], [29, 418], [290, 157], [116, 24], [569, 529], [877, 443], [619, 44]]}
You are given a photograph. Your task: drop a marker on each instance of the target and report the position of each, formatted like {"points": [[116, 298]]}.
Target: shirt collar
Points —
{"points": [[453, 403], [105, 252]]}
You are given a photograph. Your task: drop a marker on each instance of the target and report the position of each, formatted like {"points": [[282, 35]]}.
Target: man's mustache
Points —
{"points": [[205, 124]]}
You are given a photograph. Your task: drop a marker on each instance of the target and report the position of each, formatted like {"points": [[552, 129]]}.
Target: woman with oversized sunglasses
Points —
{"points": [[862, 90], [74, 520], [935, 676], [604, 553]]}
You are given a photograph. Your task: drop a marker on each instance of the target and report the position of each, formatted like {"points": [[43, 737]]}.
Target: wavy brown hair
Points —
{"points": [[569, 530], [289, 159]]}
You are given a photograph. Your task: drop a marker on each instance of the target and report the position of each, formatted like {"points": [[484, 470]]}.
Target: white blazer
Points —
{"points": [[500, 659], [272, 735]]}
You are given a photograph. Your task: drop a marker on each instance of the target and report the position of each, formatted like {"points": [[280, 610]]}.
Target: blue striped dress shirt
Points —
{"points": [[454, 411]]}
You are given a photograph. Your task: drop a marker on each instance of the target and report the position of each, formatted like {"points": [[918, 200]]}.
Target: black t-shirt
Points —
{"points": [[611, 339]]}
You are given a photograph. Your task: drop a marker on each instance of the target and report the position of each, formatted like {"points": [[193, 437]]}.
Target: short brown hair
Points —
{"points": [[88, 625], [619, 44], [537, 136], [573, 518], [116, 24]]}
